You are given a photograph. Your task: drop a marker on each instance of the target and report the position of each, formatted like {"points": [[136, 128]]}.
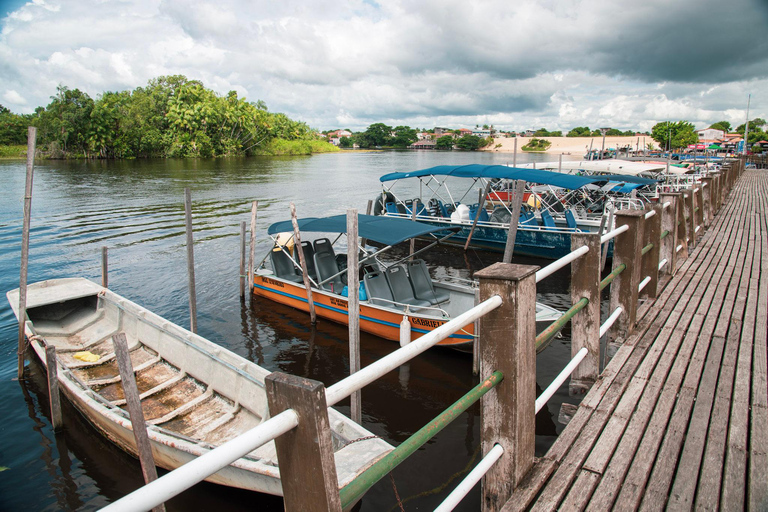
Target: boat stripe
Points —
{"points": [[362, 317]]}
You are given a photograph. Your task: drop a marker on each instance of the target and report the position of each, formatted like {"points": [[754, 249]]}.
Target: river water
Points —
{"points": [[136, 209]]}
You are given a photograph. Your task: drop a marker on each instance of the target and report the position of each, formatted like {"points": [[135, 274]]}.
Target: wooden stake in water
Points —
{"points": [[517, 202], [190, 262], [53, 387], [242, 260], [514, 155], [353, 308], [480, 206], [252, 257], [104, 267], [133, 403], [560, 163], [31, 139], [303, 263]]}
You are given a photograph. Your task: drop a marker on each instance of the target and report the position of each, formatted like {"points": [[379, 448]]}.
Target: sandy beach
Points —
{"points": [[576, 146]]}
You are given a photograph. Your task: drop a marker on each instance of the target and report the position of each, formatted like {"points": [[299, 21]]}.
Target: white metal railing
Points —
{"points": [[610, 320], [643, 283], [662, 263], [613, 234], [558, 264], [650, 214], [542, 400]]}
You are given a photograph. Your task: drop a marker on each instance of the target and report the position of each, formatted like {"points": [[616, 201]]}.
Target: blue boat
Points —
{"points": [[554, 205]]}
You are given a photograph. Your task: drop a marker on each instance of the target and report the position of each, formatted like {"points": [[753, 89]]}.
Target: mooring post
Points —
{"points": [[31, 140], [669, 241], [104, 267], [133, 403], [52, 368], [353, 309], [650, 260], [699, 209], [585, 326], [190, 261], [690, 206], [307, 467], [480, 206], [706, 200], [507, 413], [252, 252], [627, 247], [716, 192], [303, 263], [684, 227], [242, 260], [518, 189]]}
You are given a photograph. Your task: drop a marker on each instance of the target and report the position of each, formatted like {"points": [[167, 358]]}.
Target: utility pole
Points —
{"points": [[746, 126]]}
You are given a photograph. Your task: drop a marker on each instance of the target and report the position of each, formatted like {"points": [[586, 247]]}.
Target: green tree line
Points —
{"points": [[171, 117]]}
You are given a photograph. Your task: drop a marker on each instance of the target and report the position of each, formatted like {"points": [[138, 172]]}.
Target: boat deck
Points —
{"points": [[679, 417]]}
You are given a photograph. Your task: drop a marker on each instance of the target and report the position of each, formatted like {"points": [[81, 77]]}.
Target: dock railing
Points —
{"points": [[646, 244]]}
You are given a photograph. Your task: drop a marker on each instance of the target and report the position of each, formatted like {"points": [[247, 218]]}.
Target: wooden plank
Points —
{"points": [[190, 261], [52, 368], [529, 486], [581, 491]]}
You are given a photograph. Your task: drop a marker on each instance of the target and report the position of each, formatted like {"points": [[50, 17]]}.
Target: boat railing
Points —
{"points": [[643, 240]]}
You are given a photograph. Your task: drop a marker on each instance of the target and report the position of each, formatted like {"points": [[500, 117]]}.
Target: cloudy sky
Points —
{"points": [[349, 63]]}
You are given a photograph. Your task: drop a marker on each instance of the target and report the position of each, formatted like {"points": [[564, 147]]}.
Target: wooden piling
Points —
{"points": [[585, 326], [480, 206], [650, 261], [669, 243], [514, 154], [133, 403], [690, 221], [706, 199], [508, 413], [104, 267], [305, 452], [699, 210], [303, 263], [190, 261], [242, 260], [627, 248], [252, 252], [517, 201], [353, 308], [52, 368], [31, 141], [413, 240]]}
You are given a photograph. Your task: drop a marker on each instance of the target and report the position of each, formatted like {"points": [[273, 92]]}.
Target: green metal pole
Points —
{"points": [[548, 333], [360, 485], [610, 277]]}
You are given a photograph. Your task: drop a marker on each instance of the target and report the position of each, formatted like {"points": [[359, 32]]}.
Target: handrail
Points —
{"points": [[365, 480], [542, 400], [474, 476], [558, 264], [610, 320], [613, 234], [613, 275], [662, 263], [643, 283], [358, 380], [648, 248], [558, 324], [198, 469]]}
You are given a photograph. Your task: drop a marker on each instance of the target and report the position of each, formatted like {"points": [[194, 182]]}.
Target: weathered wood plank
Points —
{"points": [[529, 486], [581, 491]]}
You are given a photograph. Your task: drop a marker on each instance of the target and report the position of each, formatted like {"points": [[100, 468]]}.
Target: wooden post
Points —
{"points": [[700, 217], [668, 244], [706, 200], [368, 209], [190, 261], [507, 416], [133, 402], [517, 201], [650, 261], [476, 340], [716, 191], [560, 163], [303, 263], [52, 368], [626, 250], [31, 140], [514, 154], [690, 222], [104, 267], [413, 218], [585, 326], [252, 258], [353, 309], [609, 227], [307, 468], [242, 260], [480, 205]]}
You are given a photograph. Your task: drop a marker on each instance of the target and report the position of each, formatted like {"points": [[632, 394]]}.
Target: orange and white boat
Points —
{"points": [[390, 294]]}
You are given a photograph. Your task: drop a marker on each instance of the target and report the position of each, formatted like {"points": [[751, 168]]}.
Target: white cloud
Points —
{"points": [[537, 63], [14, 98]]}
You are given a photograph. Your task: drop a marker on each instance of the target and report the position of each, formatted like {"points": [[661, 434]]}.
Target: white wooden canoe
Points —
{"points": [[195, 394]]}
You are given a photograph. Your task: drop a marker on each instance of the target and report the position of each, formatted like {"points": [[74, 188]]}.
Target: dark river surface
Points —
{"points": [[136, 208]]}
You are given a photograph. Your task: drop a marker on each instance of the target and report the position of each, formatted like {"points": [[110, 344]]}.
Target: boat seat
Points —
{"points": [[392, 208], [483, 213], [309, 258], [283, 266], [570, 220], [501, 215], [437, 208], [401, 286], [377, 287], [546, 220], [421, 282], [527, 217], [324, 245], [325, 265]]}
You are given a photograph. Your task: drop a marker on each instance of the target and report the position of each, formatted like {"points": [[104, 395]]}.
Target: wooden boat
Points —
{"points": [[195, 394], [393, 293]]}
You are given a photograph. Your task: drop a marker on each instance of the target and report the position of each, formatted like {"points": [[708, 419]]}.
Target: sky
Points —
{"points": [[517, 65]]}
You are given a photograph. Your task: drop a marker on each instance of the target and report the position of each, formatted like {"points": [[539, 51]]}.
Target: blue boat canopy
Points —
{"points": [[382, 229], [540, 176]]}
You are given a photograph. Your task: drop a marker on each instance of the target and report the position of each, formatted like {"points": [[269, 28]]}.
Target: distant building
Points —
{"points": [[334, 137], [423, 144], [441, 131], [529, 133], [710, 134], [423, 135]]}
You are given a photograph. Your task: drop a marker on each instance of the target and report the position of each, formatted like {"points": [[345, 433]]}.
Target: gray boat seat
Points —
{"points": [[377, 287], [421, 282], [401, 286], [309, 258], [324, 245], [325, 266], [283, 266]]}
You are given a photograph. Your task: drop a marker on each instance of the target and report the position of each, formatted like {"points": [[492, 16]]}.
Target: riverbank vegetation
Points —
{"points": [[537, 145], [171, 117]]}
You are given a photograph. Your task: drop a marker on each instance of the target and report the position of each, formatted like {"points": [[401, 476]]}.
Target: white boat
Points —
{"points": [[195, 394]]}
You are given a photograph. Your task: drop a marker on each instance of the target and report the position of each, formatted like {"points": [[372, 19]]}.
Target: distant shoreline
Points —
{"points": [[575, 146]]}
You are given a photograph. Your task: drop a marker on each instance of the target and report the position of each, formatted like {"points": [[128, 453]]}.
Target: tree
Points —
{"points": [[556, 133], [541, 132], [671, 135], [377, 134], [404, 136], [579, 131], [346, 142], [721, 125], [470, 142], [13, 128], [444, 142]]}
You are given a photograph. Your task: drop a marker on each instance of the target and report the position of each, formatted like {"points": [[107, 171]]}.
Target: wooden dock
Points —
{"points": [[679, 417]]}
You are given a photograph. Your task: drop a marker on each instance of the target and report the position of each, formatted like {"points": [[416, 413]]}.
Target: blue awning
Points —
{"points": [[382, 229], [623, 178], [540, 176]]}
